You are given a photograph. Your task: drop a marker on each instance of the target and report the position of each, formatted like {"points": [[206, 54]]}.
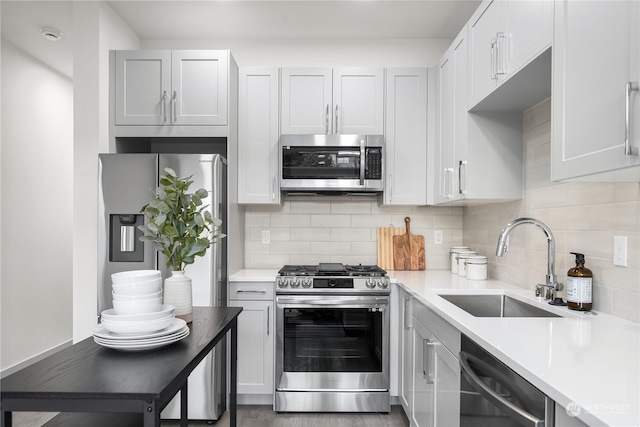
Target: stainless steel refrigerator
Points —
{"points": [[127, 182]]}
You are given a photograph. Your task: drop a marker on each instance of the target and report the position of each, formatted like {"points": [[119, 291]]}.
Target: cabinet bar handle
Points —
{"points": [[174, 107], [407, 317], [462, 178], [164, 106], [390, 188], [448, 183], [268, 319], [631, 87], [273, 187], [494, 71], [501, 53], [250, 291], [427, 356], [326, 120], [336, 128]]}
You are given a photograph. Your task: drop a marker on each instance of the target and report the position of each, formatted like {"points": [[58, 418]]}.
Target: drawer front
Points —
{"points": [[443, 330], [253, 291]]}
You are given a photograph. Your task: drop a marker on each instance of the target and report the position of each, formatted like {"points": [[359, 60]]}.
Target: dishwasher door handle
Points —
{"points": [[509, 408]]}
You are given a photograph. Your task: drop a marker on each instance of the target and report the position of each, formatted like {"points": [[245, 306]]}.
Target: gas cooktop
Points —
{"points": [[332, 269], [332, 277]]}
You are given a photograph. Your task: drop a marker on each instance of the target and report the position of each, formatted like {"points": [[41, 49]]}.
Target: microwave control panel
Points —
{"points": [[373, 167]]}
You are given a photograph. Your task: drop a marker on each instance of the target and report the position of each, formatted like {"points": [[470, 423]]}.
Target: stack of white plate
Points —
{"points": [[138, 320]]}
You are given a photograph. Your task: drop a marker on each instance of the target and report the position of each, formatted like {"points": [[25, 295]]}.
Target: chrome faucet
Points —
{"points": [[549, 289]]}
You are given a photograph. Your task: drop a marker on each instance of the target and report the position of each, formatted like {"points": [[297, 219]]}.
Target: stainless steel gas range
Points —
{"points": [[332, 339]]}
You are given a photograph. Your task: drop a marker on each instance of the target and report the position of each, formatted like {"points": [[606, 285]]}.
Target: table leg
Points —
{"points": [[151, 417], [184, 405], [6, 418], [234, 374]]}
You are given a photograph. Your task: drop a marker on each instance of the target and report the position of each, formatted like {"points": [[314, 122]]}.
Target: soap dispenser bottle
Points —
{"points": [[579, 285]]}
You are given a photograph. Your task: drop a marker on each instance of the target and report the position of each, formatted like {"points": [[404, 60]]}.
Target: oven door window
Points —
{"points": [[332, 340], [321, 163]]}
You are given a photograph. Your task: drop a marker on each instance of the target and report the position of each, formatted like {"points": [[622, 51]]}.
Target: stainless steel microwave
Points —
{"points": [[332, 163]]}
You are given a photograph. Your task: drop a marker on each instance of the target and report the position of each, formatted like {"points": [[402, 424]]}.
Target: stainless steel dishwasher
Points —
{"points": [[492, 394]]}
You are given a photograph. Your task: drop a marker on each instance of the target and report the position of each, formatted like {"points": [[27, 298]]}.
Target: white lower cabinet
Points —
{"points": [[255, 336], [434, 389]]}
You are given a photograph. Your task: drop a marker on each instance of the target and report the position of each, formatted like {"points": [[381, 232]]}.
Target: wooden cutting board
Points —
{"points": [[385, 246], [408, 250]]}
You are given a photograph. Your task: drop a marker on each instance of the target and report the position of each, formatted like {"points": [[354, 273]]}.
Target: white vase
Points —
{"points": [[177, 292]]}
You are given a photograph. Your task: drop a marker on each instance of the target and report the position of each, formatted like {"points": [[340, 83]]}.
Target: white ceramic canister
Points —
{"points": [[476, 267], [462, 265], [453, 253]]}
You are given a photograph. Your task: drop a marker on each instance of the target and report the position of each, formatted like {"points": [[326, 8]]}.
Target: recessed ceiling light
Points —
{"points": [[51, 34]]}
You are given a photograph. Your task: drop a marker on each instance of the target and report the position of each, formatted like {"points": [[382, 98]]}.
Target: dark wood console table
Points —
{"points": [[131, 387]]}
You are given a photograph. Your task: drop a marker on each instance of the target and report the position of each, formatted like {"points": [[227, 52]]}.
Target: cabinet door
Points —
{"points": [[447, 387], [529, 31], [255, 347], [423, 376], [306, 101], [590, 73], [199, 87], [258, 136], [485, 40], [406, 136], [358, 101], [450, 150], [142, 87]]}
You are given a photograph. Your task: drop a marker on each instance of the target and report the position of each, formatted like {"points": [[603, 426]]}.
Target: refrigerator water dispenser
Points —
{"points": [[124, 238]]}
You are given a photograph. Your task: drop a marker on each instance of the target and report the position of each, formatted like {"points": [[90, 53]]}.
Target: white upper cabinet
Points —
{"points": [[591, 74], [406, 136], [478, 156], [199, 87], [171, 88], [143, 87], [451, 139], [258, 136], [504, 36], [330, 101]]}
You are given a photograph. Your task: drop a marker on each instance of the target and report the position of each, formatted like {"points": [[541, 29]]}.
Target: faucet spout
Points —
{"points": [[551, 280]]}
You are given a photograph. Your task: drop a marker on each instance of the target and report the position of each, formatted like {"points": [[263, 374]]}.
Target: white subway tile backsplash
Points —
{"points": [[584, 217], [328, 221]]}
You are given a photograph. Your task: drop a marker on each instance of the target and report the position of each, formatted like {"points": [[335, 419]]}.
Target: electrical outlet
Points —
{"points": [[620, 251], [438, 237], [266, 237]]}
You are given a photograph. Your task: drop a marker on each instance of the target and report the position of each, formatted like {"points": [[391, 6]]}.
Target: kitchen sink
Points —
{"points": [[496, 306]]}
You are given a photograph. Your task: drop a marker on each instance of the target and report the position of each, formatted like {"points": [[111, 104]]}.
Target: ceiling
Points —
{"points": [[239, 19]]}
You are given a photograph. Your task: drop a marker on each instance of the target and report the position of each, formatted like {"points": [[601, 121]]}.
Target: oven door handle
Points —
{"points": [[334, 301], [518, 414]]}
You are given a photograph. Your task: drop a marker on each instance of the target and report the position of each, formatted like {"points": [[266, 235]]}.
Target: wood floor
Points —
{"points": [[263, 416]]}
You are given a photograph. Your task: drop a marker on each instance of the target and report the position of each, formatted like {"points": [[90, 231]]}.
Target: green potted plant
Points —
{"points": [[181, 229]]}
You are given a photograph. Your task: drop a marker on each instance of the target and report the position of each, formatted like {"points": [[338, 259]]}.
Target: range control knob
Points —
{"points": [[383, 283], [295, 282], [306, 282], [370, 283], [282, 282]]}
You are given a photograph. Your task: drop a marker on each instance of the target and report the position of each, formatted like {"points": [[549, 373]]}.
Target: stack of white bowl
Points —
{"points": [[137, 303]]}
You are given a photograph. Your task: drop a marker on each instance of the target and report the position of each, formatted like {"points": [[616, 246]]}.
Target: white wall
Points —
{"points": [[37, 219], [97, 29]]}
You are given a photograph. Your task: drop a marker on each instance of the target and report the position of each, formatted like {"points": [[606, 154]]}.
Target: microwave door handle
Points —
{"points": [[520, 415], [362, 162]]}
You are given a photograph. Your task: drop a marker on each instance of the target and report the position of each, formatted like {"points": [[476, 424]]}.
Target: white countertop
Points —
{"points": [[585, 360]]}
